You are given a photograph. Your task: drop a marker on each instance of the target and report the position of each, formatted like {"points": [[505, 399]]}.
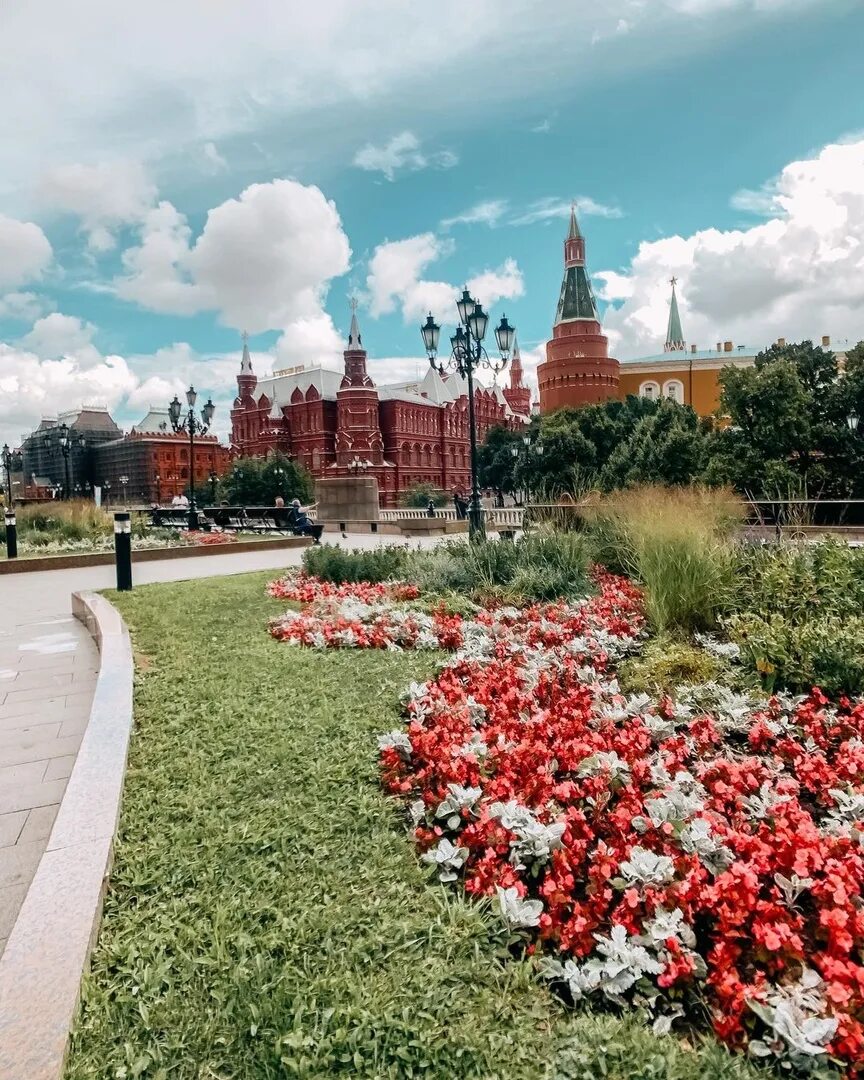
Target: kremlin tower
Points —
{"points": [[517, 394], [578, 369]]}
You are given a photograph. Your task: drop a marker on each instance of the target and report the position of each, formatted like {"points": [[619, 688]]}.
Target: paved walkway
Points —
{"points": [[48, 667]]}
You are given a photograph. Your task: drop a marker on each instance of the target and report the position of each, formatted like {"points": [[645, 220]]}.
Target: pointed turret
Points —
{"points": [[674, 333], [517, 395], [246, 380], [354, 339], [577, 296], [355, 355]]}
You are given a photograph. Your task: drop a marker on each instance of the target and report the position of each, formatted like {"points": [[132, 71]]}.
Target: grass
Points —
{"points": [[677, 543], [267, 915]]}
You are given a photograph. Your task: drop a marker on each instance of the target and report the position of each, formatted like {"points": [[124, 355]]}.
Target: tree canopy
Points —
{"points": [[782, 431], [258, 481]]}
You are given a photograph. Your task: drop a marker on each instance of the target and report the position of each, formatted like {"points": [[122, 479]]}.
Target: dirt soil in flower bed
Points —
{"points": [[267, 916]]}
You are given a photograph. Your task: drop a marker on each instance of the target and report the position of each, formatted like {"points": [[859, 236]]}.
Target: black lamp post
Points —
{"points": [[279, 473], [213, 481], [467, 354], [65, 447], [7, 469], [157, 480], [192, 426]]}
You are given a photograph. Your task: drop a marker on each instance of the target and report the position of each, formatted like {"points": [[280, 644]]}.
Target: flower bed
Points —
{"points": [[694, 856]]}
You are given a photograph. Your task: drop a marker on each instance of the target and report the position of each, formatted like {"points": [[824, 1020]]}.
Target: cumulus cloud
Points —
{"points": [[23, 306], [42, 377], [395, 279], [58, 335], [402, 153], [263, 261], [800, 273], [104, 196], [25, 252]]}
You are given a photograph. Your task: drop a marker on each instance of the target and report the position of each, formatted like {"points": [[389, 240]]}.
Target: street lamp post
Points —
{"points": [[65, 447], [192, 426], [157, 479], [7, 469], [467, 354], [279, 473], [124, 480], [213, 481]]}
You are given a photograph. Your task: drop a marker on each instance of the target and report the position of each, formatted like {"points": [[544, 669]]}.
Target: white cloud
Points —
{"points": [[263, 261], [24, 252], [23, 306], [395, 279], [34, 383], [157, 271], [58, 335], [104, 196], [402, 153], [488, 213], [551, 207], [221, 72], [798, 274], [311, 341]]}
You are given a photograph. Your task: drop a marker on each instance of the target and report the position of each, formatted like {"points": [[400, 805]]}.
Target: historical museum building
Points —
{"points": [[153, 459], [156, 462], [339, 423], [44, 465], [578, 369]]}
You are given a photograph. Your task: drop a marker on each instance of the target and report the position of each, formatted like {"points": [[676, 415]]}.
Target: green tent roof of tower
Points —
{"points": [[577, 297], [674, 333]]}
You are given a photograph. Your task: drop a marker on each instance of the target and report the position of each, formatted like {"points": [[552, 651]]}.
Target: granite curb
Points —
{"points": [[49, 945], [67, 562]]}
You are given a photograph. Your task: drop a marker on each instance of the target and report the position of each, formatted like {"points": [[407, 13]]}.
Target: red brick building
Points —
{"points": [[337, 423], [156, 462], [578, 368]]}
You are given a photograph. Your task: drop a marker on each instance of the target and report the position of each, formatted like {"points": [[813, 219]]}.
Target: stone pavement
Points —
{"points": [[48, 667]]}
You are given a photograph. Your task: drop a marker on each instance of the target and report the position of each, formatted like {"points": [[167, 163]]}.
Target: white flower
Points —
{"points": [[668, 924], [448, 858], [647, 867], [396, 740], [516, 911], [697, 838], [604, 761], [459, 798]]}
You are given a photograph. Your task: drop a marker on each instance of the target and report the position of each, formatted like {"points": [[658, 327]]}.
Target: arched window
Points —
{"points": [[674, 389], [650, 390]]}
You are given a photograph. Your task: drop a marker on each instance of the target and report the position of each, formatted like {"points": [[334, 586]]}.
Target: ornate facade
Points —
{"points": [[578, 369], [340, 423]]}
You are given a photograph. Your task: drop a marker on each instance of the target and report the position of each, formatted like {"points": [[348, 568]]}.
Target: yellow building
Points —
{"points": [[688, 375]]}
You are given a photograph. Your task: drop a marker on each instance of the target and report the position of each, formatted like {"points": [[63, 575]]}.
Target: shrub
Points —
{"points": [[79, 520], [796, 580], [335, 564], [665, 664], [537, 567], [677, 543], [418, 496], [825, 651]]}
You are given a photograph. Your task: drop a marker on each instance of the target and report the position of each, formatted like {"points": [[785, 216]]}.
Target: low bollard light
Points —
{"points": [[11, 534], [123, 550]]}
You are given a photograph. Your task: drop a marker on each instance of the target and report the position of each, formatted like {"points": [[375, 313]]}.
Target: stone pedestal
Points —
{"points": [[347, 498]]}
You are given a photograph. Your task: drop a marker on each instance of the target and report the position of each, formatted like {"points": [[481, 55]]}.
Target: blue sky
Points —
{"points": [[173, 175]]}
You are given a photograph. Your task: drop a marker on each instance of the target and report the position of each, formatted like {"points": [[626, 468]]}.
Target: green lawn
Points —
{"points": [[267, 915]]}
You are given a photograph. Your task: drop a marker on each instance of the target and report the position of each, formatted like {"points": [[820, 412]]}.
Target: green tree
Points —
{"points": [[498, 460], [258, 481], [789, 434]]}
